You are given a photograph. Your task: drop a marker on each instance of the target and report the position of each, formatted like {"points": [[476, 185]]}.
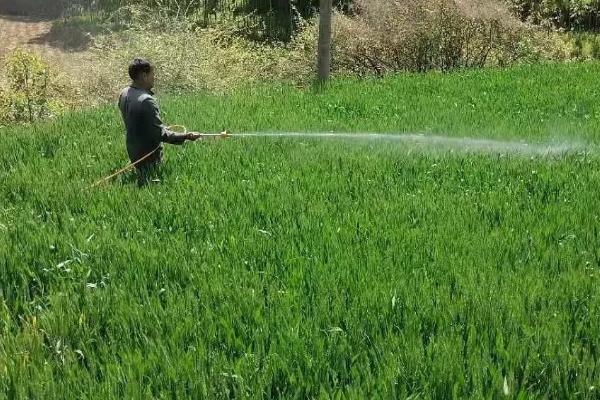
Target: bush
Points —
{"points": [[27, 97], [419, 35], [214, 59]]}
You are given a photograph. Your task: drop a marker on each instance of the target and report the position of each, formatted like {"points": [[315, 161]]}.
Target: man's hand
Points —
{"points": [[193, 136]]}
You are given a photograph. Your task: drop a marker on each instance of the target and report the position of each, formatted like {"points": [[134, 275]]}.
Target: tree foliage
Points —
{"points": [[566, 14]]}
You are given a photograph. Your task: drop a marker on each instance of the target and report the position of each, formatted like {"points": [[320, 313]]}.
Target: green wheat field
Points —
{"points": [[312, 268]]}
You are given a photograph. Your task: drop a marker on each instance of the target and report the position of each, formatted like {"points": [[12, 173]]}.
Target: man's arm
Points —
{"points": [[159, 129], [121, 106]]}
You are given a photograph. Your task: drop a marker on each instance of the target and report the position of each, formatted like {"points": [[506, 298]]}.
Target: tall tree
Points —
{"points": [[324, 62]]}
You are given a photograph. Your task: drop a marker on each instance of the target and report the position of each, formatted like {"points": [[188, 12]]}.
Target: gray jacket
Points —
{"points": [[145, 130]]}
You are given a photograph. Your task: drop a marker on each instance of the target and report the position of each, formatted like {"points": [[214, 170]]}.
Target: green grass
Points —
{"points": [[263, 268]]}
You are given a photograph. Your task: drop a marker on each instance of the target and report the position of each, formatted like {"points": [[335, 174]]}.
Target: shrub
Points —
{"points": [[27, 96], [207, 60], [418, 35]]}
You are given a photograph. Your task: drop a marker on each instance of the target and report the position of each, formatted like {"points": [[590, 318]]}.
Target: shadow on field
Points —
{"points": [[69, 35], [73, 34]]}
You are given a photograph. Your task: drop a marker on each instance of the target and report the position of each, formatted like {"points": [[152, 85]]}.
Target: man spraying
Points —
{"points": [[145, 129]]}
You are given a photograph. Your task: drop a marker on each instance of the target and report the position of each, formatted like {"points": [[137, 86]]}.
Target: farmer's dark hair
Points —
{"points": [[139, 66]]}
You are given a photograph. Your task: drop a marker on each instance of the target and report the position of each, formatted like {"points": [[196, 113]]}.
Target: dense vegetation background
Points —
{"points": [[217, 46]]}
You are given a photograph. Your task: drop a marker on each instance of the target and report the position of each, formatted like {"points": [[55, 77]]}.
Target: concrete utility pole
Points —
{"points": [[325, 40]]}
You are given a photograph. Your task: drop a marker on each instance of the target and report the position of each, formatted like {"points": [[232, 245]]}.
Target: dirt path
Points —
{"points": [[64, 50], [22, 31]]}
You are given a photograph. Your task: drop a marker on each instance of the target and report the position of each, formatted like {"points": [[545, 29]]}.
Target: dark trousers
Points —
{"points": [[149, 168], [147, 171]]}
